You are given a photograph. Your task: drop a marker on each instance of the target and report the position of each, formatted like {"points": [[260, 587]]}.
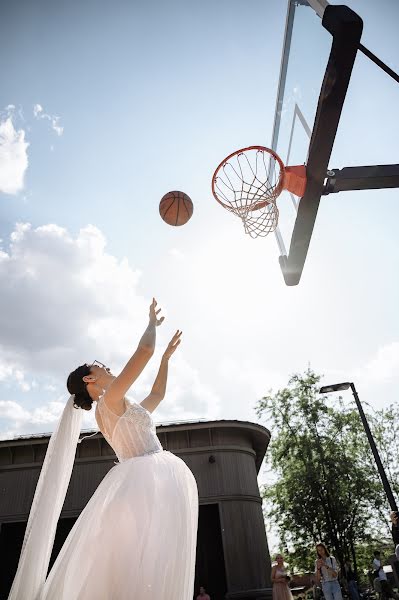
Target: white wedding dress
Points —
{"points": [[136, 537]]}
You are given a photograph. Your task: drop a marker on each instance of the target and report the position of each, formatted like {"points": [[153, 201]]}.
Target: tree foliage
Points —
{"points": [[327, 487]]}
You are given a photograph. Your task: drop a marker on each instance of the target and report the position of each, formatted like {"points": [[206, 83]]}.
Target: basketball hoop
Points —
{"points": [[248, 183]]}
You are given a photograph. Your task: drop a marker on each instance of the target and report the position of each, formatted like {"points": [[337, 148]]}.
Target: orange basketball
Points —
{"points": [[176, 208]]}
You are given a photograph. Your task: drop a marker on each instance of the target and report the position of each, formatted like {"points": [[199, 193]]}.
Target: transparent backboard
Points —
{"points": [[305, 55], [321, 43]]}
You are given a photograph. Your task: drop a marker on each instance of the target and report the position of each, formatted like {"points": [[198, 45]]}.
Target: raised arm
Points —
{"points": [[159, 387], [317, 572], [136, 364]]}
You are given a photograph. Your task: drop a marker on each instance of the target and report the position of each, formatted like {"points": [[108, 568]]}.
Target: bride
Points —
{"points": [[136, 537]]}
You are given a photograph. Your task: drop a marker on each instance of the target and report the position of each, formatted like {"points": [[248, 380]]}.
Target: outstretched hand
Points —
{"points": [[174, 342], [154, 314]]}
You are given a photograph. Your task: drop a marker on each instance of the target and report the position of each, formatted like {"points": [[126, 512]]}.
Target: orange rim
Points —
{"points": [[278, 188]]}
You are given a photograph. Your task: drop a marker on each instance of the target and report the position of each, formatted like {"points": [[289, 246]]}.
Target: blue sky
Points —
{"points": [[108, 106]]}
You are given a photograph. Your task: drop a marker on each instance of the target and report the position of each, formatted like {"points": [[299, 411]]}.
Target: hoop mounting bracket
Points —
{"points": [[361, 178]]}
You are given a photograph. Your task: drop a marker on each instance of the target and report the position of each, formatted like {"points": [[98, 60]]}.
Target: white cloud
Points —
{"points": [[177, 254], [256, 378], [38, 113], [11, 372], [37, 109], [383, 366], [188, 397], [20, 421], [66, 301], [6, 371], [44, 414], [13, 157], [248, 381]]}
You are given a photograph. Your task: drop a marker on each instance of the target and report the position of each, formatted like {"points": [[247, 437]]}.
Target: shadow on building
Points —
{"points": [[232, 559]]}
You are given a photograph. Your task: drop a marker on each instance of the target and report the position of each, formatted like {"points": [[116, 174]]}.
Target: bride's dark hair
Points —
{"points": [[77, 386]]}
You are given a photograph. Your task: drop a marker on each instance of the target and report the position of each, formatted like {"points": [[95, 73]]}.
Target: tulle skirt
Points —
{"points": [[136, 537], [281, 591]]}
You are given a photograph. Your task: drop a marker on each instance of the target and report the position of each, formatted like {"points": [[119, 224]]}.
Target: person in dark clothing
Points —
{"points": [[350, 581], [395, 531], [381, 577]]}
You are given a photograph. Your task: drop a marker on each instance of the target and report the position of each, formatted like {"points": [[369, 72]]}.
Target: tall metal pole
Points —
{"points": [[374, 450]]}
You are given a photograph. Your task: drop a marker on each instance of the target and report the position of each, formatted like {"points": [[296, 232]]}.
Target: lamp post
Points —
{"points": [[344, 386]]}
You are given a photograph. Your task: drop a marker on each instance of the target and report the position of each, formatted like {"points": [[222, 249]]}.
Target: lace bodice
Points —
{"points": [[129, 435], [281, 572]]}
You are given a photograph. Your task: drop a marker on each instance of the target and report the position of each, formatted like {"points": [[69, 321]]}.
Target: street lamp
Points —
{"points": [[337, 387]]}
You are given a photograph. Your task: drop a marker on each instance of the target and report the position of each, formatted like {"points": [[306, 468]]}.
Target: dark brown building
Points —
{"points": [[225, 456]]}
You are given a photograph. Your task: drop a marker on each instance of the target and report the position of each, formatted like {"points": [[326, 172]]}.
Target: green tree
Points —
{"points": [[327, 487], [385, 427]]}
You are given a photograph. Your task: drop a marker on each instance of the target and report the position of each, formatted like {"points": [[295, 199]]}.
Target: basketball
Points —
{"points": [[176, 208]]}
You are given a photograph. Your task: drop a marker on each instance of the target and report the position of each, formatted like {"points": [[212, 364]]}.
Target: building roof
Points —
{"points": [[259, 435]]}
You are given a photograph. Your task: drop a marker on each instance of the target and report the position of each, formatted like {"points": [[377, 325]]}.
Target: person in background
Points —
{"points": [[395, 531], [350, 581], [379, 574], [202, 594], [316, 588], [327, 573], [377, 587], [280, 580]]}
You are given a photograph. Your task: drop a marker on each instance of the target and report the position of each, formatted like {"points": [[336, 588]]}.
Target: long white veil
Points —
{"points": [[46, 507]]}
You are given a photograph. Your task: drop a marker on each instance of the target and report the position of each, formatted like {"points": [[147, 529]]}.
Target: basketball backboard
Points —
{"points": [[321, 42], [320, 45]]}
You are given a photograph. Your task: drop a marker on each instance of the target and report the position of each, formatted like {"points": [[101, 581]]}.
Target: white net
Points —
{"points": [[247, 184]]}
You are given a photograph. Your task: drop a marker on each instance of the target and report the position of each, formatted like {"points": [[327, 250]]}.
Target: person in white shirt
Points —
{"points": [[327, 573], [379, 573]]}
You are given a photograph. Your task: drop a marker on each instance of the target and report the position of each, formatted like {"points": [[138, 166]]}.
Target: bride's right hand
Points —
{"points": [[154, 314]]}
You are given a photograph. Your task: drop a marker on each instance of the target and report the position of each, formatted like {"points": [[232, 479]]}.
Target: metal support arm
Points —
{"points": [[361, 178]]}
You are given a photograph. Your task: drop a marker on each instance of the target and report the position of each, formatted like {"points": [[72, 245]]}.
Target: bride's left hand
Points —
{"points": [[174, 342]]}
